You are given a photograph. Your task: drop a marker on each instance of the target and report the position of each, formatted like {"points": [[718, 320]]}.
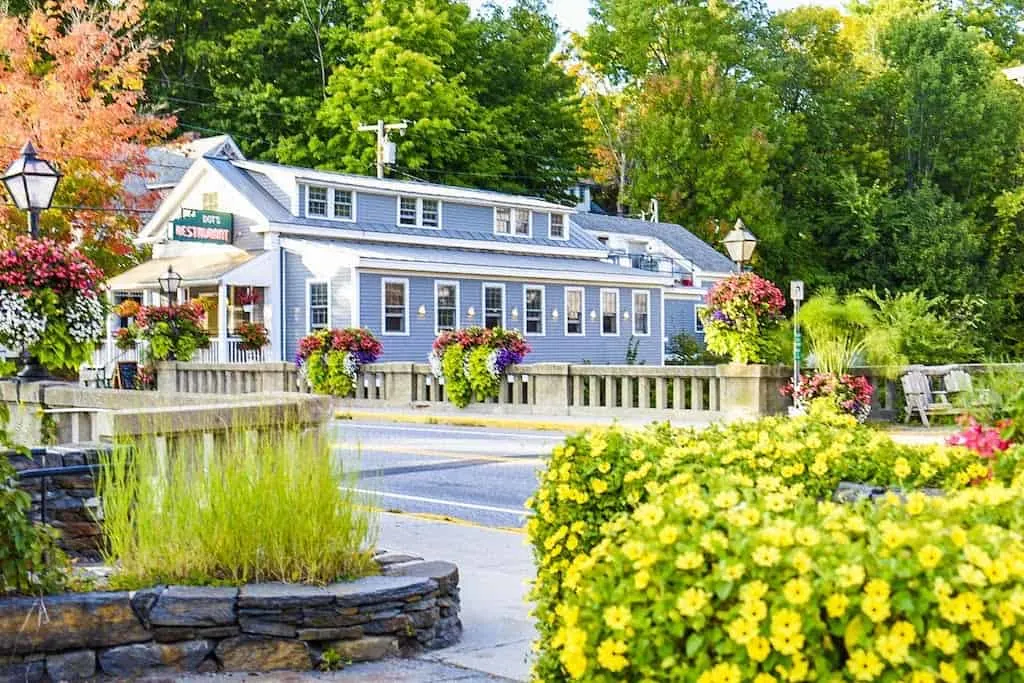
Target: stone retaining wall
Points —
{"points": [[71, 502], [412, 605]]}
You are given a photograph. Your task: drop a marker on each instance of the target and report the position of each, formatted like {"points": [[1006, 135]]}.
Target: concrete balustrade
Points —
{"points": [[697, 392], [60, 412]]}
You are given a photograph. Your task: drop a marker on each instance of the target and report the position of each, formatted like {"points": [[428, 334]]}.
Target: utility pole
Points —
{"points": [[385, 148]]}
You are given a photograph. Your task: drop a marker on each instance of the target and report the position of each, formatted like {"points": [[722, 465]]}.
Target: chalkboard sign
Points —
{"points": [[126, 374]]}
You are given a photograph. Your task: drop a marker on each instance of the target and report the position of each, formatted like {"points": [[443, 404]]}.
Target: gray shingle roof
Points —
{"points": [[688, 245]]}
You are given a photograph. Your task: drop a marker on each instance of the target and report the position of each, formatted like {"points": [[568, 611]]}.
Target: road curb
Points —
{"points": [[470, 421]]}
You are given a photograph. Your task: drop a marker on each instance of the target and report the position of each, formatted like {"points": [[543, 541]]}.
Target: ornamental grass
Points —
{"points": [[275, 507], [718, 557]]}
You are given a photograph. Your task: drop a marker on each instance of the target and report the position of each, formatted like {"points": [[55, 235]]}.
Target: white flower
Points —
{"points": [[492, 363], [20, 326], [86, 317], [350, 365], [436, 369]]}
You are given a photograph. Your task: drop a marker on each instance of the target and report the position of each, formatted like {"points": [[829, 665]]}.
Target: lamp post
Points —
{"points": [[740, 243], [31, 182], [169, 284]]}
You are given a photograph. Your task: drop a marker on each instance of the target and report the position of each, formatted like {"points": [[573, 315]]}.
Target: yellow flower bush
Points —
{"points": [[718, 556]]}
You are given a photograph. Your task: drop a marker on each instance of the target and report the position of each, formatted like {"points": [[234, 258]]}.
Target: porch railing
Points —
{"points": [[220, 350]]}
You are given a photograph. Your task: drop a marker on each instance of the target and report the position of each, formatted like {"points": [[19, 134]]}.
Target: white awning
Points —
{"points": [[199, 268]]}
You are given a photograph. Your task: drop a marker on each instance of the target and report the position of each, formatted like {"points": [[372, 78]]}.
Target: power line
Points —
{"points": [[89, 157]]}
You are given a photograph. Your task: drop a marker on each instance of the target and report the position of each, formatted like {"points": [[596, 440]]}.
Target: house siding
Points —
{"points": [[296, 273], [554, 346], [680, 317]]}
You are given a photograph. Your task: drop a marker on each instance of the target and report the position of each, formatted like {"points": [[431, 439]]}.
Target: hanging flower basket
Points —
{"points": [[740, 311], [329, 360], [51, 303], [473, 361]]}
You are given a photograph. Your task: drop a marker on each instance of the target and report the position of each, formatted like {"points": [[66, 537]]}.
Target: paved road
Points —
{"points": [[480, 475]]}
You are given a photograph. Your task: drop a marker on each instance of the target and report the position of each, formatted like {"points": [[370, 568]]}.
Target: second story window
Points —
{"points": [[330, 202], [316, 201], [416, 212], [210, 201], [557, 230], [512, 221]]}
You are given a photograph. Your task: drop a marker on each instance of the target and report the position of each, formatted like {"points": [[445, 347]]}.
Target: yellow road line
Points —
{"points": [[447, 455], [447, 519]]}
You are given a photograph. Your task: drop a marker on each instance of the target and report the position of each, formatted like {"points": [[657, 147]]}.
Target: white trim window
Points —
{"points": [[446, 306], [698, 322], [418, 212], [558, 228], [210, 201], [609, 312], [511, 221], [494, 305], [394, 304], [641, 312], [318, 305], [575, 320], [330, 202], [533, 310]]}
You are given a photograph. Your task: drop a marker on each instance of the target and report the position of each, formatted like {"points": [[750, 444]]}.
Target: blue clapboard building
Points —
{"points": [[299, 249]]}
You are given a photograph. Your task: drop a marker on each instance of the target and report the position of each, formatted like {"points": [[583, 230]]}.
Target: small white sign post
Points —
{"points": [[796, 293]]}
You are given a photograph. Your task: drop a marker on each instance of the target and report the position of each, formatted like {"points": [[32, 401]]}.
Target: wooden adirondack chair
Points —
{"points": [[922, 399]]}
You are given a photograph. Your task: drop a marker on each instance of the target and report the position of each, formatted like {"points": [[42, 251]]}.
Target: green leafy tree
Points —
{"points": [[257, 70]]}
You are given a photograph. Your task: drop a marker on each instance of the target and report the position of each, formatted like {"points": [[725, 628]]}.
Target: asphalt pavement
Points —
{"points": [[476, 474]]}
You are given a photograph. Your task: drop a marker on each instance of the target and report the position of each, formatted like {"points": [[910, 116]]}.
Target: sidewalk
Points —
{"points": [[915, 435], [494, 568]]}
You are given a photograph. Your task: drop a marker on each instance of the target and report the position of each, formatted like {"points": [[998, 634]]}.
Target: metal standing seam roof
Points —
{"points": [[688, 245], [250, 186], [467, 257]]}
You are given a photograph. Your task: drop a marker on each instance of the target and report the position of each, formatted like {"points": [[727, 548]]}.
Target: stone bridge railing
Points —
{"points": [[60, 412], [696, 392]]}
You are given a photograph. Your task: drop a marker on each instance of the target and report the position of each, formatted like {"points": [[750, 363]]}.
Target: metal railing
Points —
{"points": [[654, 263]]}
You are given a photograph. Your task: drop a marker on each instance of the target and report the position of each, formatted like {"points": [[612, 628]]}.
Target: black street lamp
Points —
{"points": [[169, 284], [740, 244], [31, 182]]}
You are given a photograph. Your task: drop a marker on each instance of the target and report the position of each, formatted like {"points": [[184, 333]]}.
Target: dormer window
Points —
{"points": [[557, 229], [330, 202], [417, 212], [509, 221]]}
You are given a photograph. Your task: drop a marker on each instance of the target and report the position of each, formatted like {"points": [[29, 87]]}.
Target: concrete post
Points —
{"points": [[551, 387], [752, 390], [167, 377], [399, 379]]}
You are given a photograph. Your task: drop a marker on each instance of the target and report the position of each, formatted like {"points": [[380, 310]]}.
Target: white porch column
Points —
{"points": [[222, 319]]}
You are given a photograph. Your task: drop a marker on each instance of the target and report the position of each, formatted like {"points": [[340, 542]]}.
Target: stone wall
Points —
{"points": [[412, 605], [71, 503]]}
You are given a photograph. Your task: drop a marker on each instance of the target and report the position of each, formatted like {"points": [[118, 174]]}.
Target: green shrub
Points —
{"points": [[30, 561], [276, 508], [600, 477]]}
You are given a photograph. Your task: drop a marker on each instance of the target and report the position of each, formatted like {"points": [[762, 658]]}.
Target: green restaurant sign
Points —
{"points": [[203, 226]]}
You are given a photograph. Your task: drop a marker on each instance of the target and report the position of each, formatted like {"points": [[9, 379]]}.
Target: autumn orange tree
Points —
{"points": [[71, 79]]}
